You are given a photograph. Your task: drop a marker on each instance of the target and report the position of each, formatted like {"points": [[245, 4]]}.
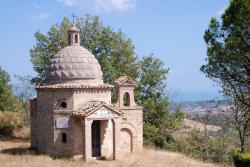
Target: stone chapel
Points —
{"points": [[73, 114]]}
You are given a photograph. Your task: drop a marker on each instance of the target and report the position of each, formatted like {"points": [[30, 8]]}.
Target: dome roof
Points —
{"points": [[74, 64], [74, 28]]}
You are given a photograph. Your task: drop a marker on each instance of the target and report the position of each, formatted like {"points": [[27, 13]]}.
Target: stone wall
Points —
{"points": [[121, 90], [47, 136], [107, 139], [78, 130], [133, 121], [83, 96], [33, 122], [63, 148], [44, 122]]}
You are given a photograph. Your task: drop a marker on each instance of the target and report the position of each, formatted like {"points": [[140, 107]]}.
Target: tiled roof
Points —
{"points": [[125, 80], [74, 62], [92, 106], [74, 28], [74, 86]]}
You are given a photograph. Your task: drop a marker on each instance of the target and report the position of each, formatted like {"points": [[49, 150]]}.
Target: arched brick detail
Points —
{"points": [[130, 127]]}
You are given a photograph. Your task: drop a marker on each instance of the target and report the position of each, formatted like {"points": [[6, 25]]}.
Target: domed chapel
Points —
{"points": [[73, 114]]}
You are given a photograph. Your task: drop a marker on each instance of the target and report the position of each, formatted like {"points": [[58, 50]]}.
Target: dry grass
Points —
{"points": [[17, 154], [195, 125]]}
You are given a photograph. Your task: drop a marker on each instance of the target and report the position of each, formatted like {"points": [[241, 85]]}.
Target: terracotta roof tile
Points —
{"points": [[74, 86]]}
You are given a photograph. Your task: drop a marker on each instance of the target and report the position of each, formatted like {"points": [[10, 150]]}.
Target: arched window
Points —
{"points": [[126, 99], [76, 38], [64, 138]]}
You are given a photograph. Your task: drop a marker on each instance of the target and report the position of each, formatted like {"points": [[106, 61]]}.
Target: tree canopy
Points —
{"points": [[114, 51], [228, 51], [6, 98], [116, 55], [228, 55]]}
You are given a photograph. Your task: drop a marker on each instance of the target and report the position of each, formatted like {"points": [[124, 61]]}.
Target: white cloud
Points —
{"points": [[114, 5], [68, 2], [222, 10], [35, 5], [101, 5], [41, 16]]}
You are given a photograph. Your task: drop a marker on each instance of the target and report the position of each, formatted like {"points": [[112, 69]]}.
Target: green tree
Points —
{"points": [[6, 98], [151, 85], [152, 77], [159, 121], [114, 51], [228, 51]]}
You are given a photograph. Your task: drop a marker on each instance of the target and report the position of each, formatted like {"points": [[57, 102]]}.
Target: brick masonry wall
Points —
{"points": [[83, 96], [47, 138], [133, 119], [33, 122], [107, 139], [44, 122]]}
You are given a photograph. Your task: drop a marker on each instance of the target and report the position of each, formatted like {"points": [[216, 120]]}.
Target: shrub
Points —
{"points": [[6, 128], [194, 144], [9, 121], [241, 159]]}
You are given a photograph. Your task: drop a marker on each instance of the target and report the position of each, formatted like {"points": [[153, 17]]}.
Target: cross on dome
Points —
{"points": [[73, 18]]}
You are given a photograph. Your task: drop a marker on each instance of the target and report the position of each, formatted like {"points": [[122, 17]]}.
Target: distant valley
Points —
{"points": [[202, 107]]}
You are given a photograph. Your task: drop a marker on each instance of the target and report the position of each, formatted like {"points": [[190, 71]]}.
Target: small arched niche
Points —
{"points": [[64, 138], [69, 40], [76, 38], [126, 141], [126, 99]]}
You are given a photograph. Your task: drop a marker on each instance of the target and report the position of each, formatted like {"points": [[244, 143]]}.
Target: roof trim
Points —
{"points": [[122, 81], [103, 105], [85, 112], [74, 86]]}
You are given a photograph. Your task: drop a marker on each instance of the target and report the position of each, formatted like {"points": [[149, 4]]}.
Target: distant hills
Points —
{"points": [[202, 107]]}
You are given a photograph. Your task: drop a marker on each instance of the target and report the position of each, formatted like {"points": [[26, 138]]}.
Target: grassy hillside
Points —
{"points": [[14, 144], [195, 125], [17, 154]]}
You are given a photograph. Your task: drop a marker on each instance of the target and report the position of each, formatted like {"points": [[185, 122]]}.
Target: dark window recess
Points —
{"points": [[63, 104], [69, 40], [64, 138], [76, 38], [126, 99]]}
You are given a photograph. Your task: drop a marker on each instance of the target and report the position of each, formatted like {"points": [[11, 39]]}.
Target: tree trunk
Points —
{"points": [[242, 141]]}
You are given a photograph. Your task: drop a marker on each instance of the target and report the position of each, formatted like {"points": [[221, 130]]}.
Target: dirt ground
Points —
{"points": [[17, 154]]}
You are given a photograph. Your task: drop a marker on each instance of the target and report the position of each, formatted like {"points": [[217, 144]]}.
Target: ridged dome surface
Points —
{"points": [[75, 64]]}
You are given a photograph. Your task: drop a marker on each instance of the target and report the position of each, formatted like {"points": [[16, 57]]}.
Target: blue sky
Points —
{"points": [[171, 29]]}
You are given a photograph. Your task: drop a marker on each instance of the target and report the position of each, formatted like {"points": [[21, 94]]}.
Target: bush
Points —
{"points": [[9, 121], [241, 159], [6, 128], [194, 144]]}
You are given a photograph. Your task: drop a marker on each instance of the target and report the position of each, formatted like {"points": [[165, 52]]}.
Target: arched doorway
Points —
{"points": [[95, 138]]}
